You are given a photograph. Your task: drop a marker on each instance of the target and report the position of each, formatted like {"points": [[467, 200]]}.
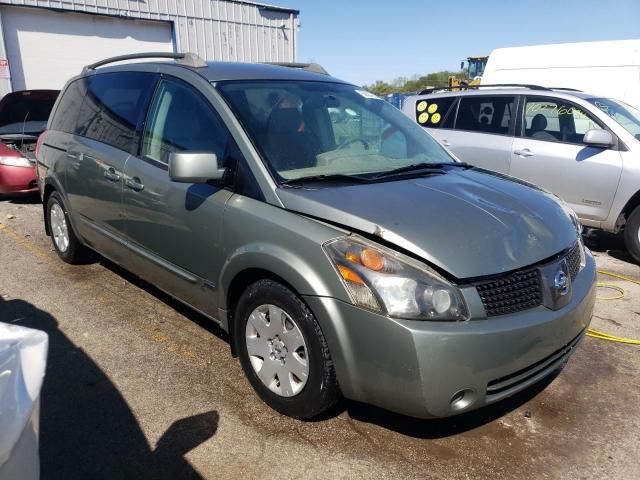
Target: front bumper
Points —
{"points": [[418, 367], [17, 180]]}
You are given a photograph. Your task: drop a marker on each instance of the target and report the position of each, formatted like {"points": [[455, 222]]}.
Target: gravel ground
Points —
{"points": [[139, 386]]}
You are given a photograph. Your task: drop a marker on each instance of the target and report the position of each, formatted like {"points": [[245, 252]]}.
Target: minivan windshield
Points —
{"points": [[312, 130], [627, 116]]}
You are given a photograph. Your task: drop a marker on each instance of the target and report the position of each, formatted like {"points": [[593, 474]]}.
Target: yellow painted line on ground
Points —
{"points": [[27, 244]]}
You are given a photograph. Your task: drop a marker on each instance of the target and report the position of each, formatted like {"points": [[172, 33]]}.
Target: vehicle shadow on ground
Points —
{"points": [[181, 308], [87, 429], [445, 427], [605, 242]]}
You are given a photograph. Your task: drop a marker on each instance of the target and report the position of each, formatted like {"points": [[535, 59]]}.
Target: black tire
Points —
{"points": [[75, 253], [632, 233], [321, 389]]}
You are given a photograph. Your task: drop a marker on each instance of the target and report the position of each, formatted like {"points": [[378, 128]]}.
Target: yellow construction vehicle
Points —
{"points": [[473, 73]]}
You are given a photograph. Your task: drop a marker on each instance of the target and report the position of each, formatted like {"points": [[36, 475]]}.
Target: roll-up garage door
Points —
{"points": [[45, 48]]}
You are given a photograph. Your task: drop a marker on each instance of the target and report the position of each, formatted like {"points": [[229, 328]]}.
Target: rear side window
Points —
{"points": [[486, 114], [114, 105], [555, 120], [180, 119], [66, 114], [434, 112]]}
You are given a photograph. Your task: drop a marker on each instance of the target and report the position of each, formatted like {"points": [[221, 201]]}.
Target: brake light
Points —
{"points": [[39, 144]]}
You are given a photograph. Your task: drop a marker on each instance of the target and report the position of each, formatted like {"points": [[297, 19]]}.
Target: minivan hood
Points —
{"points": [[470, 223]]}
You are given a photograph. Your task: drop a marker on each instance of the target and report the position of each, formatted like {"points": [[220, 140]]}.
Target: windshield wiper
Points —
{"points": [[432, 168], [336, 177]]}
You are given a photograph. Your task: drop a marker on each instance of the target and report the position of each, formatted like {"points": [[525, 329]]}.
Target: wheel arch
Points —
{"points": [[629, 207], [50, 186], [260, 261]]}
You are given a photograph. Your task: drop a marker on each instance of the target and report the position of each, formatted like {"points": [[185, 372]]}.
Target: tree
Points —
{"points": [[415, 85], [381, 88]]}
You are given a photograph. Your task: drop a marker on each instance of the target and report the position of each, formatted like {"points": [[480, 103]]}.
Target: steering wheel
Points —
{"points": [[349, 141]]}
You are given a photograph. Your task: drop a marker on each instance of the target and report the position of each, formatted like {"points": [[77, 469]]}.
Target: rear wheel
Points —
{"points": [[283, 351], [64, 240]]}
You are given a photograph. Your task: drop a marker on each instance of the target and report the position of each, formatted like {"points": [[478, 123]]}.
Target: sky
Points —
{"points": [[363, 41]]}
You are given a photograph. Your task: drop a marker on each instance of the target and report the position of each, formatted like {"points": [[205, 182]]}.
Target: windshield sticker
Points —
{"points": [[422, 106], [369, 95], [605, 108], [554, 110], [432, 108], [423, 117], [435, 118]]}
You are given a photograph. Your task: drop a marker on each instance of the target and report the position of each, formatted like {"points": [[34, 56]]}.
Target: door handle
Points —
{"points": [[525, 152], [74, 155], [111, 175], [446, 143], [134, 184]]}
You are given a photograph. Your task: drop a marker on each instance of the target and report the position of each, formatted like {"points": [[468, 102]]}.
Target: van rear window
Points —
{"points": [[113, 107], [434, 112], [66, 114], [487, 114]]}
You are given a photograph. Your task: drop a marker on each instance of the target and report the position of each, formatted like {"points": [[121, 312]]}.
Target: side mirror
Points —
{"points": [[598, 138], [194, 167]]}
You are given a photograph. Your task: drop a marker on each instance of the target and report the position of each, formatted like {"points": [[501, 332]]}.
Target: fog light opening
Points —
{"points": [[462, 399]]}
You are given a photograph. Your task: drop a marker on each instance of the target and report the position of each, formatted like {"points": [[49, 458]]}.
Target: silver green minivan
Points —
{"points": [[344, 250]]}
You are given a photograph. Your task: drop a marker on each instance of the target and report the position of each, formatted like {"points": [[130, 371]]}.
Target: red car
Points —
{"points": [[23, 117]]}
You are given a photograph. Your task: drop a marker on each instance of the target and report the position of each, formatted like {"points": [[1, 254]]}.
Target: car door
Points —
{"points": [[549, 152], [482, 132], [106, 133], [174, 228]]}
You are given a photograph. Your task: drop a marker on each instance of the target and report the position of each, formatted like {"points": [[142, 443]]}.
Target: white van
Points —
{"points": [[608, 69]]}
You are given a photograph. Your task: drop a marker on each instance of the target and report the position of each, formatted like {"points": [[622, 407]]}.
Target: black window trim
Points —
{"points": [[521, 125], [143, 125], [512, 121]]}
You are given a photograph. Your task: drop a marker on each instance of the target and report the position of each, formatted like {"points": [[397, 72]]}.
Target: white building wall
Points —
{"points": [[227, 30]]}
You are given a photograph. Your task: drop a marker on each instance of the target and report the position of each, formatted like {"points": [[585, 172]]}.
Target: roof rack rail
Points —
{"points": [[565, 88], [427, 91], [310, 67], [188, 59]]}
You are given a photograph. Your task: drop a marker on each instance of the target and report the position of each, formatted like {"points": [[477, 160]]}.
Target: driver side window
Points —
{"points": [[180, 119], [556, 120]]}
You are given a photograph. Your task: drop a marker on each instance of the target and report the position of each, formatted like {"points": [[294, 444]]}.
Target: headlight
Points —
{"points": [[570, 213], [385, 281], [576, 223], [583, 255], [15, 162]]}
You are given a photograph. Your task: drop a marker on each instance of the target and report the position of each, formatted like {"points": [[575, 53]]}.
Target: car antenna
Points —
{"points": [[24, 127]]}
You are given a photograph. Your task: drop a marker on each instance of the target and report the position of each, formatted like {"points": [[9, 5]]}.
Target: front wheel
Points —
{"points": [[632, 234], [283, 351]]}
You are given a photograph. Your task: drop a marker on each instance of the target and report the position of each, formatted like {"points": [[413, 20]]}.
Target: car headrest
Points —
{"points": [[539, 122], [285, 120]]}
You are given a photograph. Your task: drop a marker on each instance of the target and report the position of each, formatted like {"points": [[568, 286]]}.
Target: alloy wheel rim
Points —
{"points": [[277, 350], [59, 228]]}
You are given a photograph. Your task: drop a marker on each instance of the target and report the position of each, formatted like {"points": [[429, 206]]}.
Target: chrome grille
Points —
{"points": [[512, 293], [521, 290], [573, 261]]}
